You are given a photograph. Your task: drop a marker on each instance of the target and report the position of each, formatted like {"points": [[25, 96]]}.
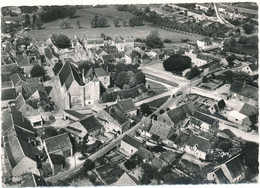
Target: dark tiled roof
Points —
{"points": [[180, 113], [100, 72], [57, 159], [221, 176], [202, 143], [144, 153], [32, 80], [58, 143], [109, 49], [119, 39], [132, 141], [33, 87], [126, 105], [75, 113], [162, 130], [250, 111], [34, 181], [48, 53], [17, 77], [116, 114], [229, 133], [7, 68], [69, 71], [168, 156], [244, 90], [8, 94], [95, 41], [235, 166], [22, 60], [7, 60], [107, 57], [20, 102], [91, 123], [207, 119], [221, 104], [127, 180], [158, 163]]}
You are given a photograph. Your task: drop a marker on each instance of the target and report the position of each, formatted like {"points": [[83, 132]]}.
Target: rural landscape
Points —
{"points": [[127, 95]]}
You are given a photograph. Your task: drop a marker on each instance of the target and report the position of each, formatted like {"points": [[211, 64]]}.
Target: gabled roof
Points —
{"points": [[126, 105], [158, 163], [8, 94], [168, 156], [116, 114], [34, 181], [127, 180], [75, 113], [91, 123], [235, 166], [221, 176], [132, 141], [57, 159], [17, 77], [100, 72], [7, 84], [8, 68], [250, 111], [58, 143], [119, 39], [203, 144], [221, 104], [95, 41], [109, 49], [244, 90], [144, 153], [162, 130], [181, 113], [32, 88], [68, 73], [203, 117], [22, 60]]}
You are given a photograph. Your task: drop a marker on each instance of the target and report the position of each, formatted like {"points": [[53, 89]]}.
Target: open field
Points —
{"points": [[85, 16], [156, 87]]}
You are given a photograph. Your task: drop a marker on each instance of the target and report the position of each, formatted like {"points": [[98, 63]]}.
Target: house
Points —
{"points": [[224, 62], [178, 116], [101, 75], [59, 144], [76, 90], [49, 57], [93, 43], [7, 95], [197, 59], [204, 122], [113, 119], [244, 92], [130, 145], [145, 154], [121, 43], [240, 119], [251, 69], [205, 6], [127, 180], [73, 115], [169, 156], [231, 171], [26, 63], [198, 147], [196, 14], [251, 112], [88, 126], [210, 67], [19, 143], [158, 163], [207, 44], [127, 106], [35, 181], [17, 80], [162, 130]]}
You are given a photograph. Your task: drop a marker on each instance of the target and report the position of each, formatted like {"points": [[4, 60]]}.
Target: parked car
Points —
{"points": [[179, 93]]}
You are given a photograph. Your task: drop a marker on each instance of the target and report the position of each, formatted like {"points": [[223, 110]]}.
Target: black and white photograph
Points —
{"points": [[129, 93]]}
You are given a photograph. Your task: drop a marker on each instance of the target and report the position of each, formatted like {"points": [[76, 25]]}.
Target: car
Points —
{"points": [[173, 96], [179, 93]]}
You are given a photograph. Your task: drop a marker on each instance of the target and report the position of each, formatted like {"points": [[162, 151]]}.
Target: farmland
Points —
{"points": [[85, 16]]}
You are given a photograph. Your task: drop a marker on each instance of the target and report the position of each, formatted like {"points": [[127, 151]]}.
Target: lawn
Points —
{"points": [[161, 80], [158, 102], [156, 87]]}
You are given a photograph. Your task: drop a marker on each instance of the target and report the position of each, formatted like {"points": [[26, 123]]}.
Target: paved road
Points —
{"points": [[240, 9], [99, 153]]}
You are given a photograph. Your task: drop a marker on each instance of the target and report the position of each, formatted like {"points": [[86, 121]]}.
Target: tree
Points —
{"points": [[177, 63], [248, 28], [124, 22], [140, 78], [84, 66], [37, 71], [250, 155], [34, 21], [116, 22], [153, 40], [16, 70], [135, 21], [145, 109], [65, 24], [78, 24], [88, 165], [61, 41], [242, 40], [131, 77], [121, 79], [205, 79], [27, 21], [194, 72], [50, 132], [57, 67], [99, 21], [38, 23]]}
